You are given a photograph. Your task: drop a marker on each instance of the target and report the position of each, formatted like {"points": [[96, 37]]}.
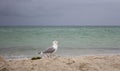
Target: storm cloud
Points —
{"points": [[59, 12]]}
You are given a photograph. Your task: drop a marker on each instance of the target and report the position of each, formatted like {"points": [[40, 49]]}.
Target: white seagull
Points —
{"points": [[50, 50]]}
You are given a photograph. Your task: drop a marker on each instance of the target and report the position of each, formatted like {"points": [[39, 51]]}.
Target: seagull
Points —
{"points": [[50, 50]]}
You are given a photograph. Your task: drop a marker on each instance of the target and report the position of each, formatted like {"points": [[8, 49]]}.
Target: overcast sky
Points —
{"points": [[59, 12]]}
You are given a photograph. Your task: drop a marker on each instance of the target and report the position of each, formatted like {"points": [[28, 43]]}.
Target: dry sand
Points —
{"points": [[82, 63], [4, 66]]}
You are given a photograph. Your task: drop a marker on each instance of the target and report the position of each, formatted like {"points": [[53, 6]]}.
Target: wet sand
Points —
{"points": [[79, 63]]}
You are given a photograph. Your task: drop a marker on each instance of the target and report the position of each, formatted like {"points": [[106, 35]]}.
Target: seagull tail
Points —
{"points": [[41, 53]]}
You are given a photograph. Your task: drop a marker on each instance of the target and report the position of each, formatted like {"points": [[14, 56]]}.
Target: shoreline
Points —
{"points": [[82, 55]]}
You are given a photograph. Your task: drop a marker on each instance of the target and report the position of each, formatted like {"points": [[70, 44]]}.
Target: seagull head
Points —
{"points": [[55, 42]]}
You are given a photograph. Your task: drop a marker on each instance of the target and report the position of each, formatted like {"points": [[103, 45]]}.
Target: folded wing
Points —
{"points": [[49, 50]]}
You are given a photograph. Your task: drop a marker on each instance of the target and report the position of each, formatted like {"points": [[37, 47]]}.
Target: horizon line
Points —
{"points": [[59, 25]]}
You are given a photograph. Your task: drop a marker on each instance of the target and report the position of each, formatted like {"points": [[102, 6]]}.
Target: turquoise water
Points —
{"points": [[27, 41]]}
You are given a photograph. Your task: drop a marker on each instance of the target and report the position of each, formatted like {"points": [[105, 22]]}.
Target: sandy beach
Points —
{"points": [[81, 63]]}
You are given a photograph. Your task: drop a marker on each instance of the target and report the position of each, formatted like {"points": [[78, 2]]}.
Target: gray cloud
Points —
{"points": [[59, 12]]}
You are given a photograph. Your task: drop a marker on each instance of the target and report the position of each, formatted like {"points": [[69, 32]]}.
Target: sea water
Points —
{"points": [[18, 42]]}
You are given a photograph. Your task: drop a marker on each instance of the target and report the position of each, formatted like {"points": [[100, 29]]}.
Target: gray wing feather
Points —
{"points": [[49, 50]]}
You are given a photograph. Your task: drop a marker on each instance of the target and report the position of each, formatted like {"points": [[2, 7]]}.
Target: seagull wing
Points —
{"points": [[49, 50]]}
